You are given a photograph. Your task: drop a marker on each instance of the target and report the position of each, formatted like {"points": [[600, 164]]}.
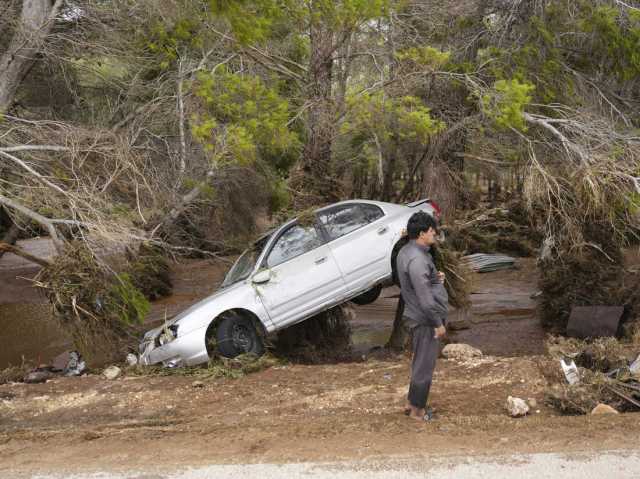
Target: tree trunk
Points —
{"points": [[398, 338], [317, 183], [36, 20]]}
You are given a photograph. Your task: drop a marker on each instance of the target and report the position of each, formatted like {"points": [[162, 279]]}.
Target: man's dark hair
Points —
{"points": [[420, 221]]}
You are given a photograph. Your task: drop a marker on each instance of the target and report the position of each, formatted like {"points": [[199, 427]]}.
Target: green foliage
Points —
{"points": [[614, 37], [251, 21], [424, 56], [280, 198], [240, 119], [127, 303], [255, 21], [505, 104], [404, 118], [167, 40]]}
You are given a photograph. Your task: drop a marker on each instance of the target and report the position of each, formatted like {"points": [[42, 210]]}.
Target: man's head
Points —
{"points": [[423, 228]]}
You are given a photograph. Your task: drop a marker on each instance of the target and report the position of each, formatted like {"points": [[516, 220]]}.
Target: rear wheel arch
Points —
{"points": [[394, 256]]}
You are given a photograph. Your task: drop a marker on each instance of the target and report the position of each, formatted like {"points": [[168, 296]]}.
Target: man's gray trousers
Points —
{"points": [[425, 353]]}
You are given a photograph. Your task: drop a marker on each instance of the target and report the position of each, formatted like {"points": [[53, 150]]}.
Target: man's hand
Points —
{"points": [[441, 276], [440, 332]]}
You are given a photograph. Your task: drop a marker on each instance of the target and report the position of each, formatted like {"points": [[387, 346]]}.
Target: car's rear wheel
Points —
{"points": [[369, 296], [237, 335]]}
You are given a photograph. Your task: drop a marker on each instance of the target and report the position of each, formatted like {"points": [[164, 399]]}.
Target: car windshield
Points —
{"points": [[244, 265]]}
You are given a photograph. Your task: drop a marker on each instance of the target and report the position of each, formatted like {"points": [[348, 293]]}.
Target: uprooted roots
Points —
{"points": [[96, 306], [325, 337]]}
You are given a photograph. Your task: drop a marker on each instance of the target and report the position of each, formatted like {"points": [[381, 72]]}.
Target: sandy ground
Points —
{"points": [[308, 413], [618, 464]]}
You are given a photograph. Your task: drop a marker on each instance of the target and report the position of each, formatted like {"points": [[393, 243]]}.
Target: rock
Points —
{"points": [[460, 351], [197, 384], [38, 376], [603, 409], [517, 407], [458, 325], [532, 403], [112, 372]]}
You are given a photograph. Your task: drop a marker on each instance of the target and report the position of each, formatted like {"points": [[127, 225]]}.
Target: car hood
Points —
{"points": [[182, 317]]}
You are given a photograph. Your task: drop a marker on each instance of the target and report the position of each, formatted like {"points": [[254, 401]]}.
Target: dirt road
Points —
{"points": [[618, 464], [299, 413]]}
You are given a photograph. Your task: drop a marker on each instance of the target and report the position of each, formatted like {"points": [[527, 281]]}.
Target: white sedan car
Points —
{"points": [[287, 276]]}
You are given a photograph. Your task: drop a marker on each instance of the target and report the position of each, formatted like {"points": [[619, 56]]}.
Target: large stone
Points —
{"points": [[517, 407], [112, 372], [460, 351], [38, 376], [603, 409]]}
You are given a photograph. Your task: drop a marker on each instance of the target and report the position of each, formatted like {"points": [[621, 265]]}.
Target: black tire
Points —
{"points": [[237, 335], [369, 296]]}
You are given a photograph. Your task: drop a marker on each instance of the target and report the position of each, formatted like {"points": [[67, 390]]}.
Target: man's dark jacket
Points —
{"points": [[424, 295]]}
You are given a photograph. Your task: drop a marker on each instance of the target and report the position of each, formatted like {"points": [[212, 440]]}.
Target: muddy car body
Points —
{"points": [[342, 252]]}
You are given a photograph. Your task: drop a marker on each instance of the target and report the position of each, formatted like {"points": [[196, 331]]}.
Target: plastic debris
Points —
{"points": [[570, 371], [634, 367], [485, 263], [132, 359]]}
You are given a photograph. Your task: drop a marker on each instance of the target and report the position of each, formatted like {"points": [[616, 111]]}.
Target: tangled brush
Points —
{"points": [[99, 308], [325, 337]]}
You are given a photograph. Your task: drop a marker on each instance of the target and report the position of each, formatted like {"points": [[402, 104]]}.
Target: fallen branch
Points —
{"points": [[4, 247], [46, 222]]}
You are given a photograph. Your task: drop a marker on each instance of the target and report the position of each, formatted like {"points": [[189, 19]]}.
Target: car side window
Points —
{"points": [[344, 219], [371, 212], [293, 242]]}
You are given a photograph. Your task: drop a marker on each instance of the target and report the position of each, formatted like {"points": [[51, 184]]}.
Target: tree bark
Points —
{"points": [[398, 338], [317, 181], [34, 26]]}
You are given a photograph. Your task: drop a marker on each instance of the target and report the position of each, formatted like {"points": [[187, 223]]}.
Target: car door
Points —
{"points": [[360, 241], [303, 276]]}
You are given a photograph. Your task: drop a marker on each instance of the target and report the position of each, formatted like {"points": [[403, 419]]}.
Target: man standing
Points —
{"points": [[425, 313]]}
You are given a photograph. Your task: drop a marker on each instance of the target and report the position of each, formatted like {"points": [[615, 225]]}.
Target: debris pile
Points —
{"points": [[150, 272], [499, 230], [98, 307], [325, 337], [458, 279], [592, 275], [591, 374], [218, 367]]}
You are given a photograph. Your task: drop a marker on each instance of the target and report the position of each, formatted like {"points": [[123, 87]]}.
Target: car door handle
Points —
{"points": [[321, 260], [382, 230]]}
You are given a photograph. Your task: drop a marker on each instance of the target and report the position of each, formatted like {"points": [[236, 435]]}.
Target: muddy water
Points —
{"points": [[27, 331]]}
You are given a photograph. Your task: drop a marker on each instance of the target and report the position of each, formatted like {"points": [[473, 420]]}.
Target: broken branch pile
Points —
{"points": [[98, 307], [588, 278], [607, 374], [500, 230]]}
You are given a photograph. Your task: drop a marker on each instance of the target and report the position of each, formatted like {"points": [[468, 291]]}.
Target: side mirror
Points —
{"points": [[261, 277]]}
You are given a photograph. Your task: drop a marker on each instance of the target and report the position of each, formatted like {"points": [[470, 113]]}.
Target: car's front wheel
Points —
{"points": [[237, 335], [368, 297]]}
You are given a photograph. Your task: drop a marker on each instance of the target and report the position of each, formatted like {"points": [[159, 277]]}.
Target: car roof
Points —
{"points": [[347, 202]]}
